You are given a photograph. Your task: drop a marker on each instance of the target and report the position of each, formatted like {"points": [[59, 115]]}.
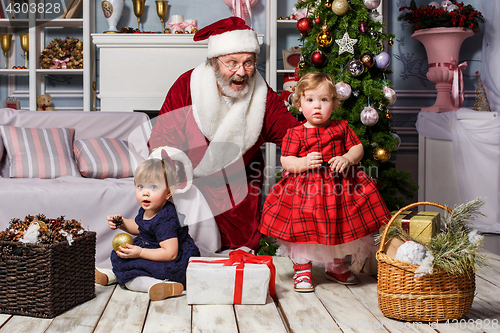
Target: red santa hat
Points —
{"points": [[229, 35], [289, 77]]}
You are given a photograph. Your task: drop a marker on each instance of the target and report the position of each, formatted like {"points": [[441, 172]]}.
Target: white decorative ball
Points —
{"points": [[343, 91], [369, 116], [451, 8], [434, 4], [371, 4], [445, 4], [376, 16], [411, 252], [390, 94]]}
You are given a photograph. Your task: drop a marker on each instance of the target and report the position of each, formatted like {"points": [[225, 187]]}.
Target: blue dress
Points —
{"points": [[162, 226]]}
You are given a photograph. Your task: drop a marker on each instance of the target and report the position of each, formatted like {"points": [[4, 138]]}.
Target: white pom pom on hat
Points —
{"points": [[229, 35]]}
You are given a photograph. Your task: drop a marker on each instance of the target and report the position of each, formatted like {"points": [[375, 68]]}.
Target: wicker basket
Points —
{"points": [[433, 297], [44, 280]]}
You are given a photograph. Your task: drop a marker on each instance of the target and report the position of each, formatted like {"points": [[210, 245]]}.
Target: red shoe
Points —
{"points": [[347, 278], [302, 281]]}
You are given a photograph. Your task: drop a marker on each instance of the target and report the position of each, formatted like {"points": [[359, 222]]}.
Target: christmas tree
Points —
{"points": [[345, 39]]}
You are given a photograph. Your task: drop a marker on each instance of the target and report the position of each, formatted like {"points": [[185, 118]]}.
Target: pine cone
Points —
{"points": [[7, 250], [41, 217], [118, 220], [46, 237]]}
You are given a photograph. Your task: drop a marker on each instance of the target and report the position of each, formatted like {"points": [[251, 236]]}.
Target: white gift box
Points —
{"points": [[211, 282]]}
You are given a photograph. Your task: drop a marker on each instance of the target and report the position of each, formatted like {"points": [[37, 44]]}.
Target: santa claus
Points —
{"points": [[219, 114]]}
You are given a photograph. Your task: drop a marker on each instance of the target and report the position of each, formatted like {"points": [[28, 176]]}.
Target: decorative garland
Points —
{"points": [[67, 53]]}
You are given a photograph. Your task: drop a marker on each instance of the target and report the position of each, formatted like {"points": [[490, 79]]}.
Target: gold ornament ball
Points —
{"points": [[388, 115], [166, 31], [121, 239], [381, 155], [328, 5], [301, 64], [324, 39], [391, 42], [340, 7]]}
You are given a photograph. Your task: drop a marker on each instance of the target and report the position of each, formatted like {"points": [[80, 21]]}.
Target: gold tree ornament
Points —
{"points": [[340, 7], [381, 154], [324, 38]]}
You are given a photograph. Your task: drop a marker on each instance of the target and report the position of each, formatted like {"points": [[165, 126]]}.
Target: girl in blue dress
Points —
{"points": [[157, 261]]}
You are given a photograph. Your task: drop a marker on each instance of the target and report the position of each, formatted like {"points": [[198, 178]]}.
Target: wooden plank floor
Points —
{"points": [[331, 308]]}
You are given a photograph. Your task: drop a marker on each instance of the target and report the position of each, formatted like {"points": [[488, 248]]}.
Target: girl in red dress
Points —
{"points": [[326, 207]]}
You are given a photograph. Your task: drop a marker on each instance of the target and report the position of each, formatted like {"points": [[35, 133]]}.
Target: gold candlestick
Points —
{"points": [[27, 12], [138, 11], [25, 45], [5, 42], [161, 10]]}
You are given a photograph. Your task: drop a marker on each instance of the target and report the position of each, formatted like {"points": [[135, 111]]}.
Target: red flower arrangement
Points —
{"points": [[449, 14]]}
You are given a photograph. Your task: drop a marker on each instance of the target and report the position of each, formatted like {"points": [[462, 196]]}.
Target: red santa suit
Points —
{"points": [[223, 138]]}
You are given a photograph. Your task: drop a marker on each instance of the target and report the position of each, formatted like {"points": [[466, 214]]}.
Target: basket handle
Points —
{"points": [[382, 242]]}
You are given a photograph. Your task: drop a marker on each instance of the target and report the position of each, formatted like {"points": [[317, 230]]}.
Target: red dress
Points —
{"points": [[319, 206]]}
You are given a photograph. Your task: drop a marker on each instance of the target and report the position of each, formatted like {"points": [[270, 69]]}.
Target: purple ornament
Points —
{"points": [[390, 95], [363, 26], [397, 137], [343, 91], [383, 60], [355, 67], [369, 116]]}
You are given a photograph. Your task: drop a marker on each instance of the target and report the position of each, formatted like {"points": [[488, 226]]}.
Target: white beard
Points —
{"points": [[225, 85], [237, 127]]}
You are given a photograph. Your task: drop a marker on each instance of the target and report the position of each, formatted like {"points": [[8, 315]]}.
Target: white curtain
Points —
{"points": [[490, 71], [476, 148]]}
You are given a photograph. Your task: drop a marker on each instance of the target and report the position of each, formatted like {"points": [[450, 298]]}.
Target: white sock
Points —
{"points": [[142, 283]]}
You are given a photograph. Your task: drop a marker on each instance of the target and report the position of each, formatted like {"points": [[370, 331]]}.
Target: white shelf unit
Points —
{"points": [[276, 30], [36, 25]]}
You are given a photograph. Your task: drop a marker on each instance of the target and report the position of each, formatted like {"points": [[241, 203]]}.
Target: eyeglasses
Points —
{"points": [[234, 67]]}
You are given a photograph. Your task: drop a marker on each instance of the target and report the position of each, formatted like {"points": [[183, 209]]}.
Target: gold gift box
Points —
{"points": [[422, 226]]}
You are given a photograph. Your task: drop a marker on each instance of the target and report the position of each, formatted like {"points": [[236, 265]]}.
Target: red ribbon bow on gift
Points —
{"points": [[241, 258], [177, 26], [457, 89], [62, 62]]}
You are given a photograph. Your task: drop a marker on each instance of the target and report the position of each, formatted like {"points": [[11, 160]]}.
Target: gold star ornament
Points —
{"points": [[346, 44]]}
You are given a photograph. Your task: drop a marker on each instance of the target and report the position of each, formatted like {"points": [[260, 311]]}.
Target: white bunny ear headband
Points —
{"points": [[177, 155]]}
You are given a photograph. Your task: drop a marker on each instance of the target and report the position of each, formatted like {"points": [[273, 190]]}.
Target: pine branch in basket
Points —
{"points": [[456, 248]]}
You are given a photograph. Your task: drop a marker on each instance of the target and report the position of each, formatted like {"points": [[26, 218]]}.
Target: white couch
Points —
{"points": [[86, 199]]}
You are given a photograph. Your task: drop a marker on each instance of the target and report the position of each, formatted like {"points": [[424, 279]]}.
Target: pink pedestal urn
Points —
{"points": [[443, 47]]}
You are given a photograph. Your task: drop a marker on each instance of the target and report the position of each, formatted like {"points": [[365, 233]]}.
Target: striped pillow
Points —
{"points": [[39, 152], [106, 158]]}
